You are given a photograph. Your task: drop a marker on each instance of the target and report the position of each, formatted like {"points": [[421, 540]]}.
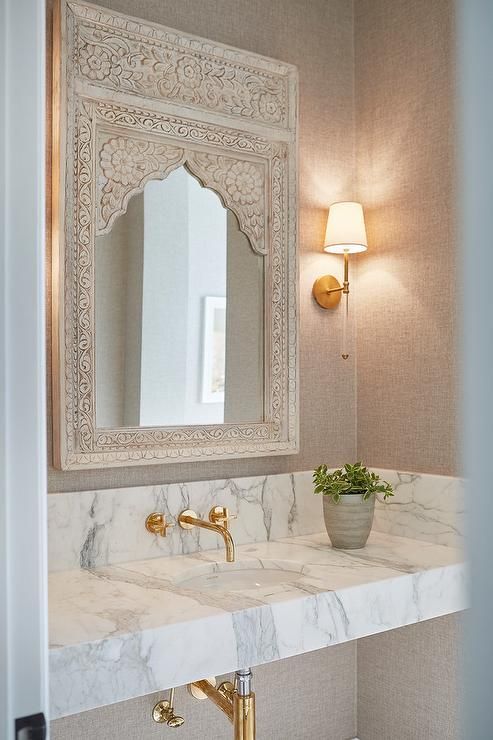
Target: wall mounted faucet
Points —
{"points": [[219, 518]]}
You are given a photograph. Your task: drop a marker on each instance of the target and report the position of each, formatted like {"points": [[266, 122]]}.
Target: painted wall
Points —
{"points": [[317, 36], [408, 287]]}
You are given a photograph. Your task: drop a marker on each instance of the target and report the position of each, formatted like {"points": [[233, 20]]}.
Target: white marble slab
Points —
{"points": [[425, 507], [96, 528], [121, 631]]}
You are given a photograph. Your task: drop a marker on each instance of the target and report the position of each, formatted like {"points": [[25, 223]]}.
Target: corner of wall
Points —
{"points": [[406, 334]]}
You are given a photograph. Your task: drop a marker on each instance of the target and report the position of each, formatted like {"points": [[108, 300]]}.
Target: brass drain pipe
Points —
{"points": [[244, 706]]}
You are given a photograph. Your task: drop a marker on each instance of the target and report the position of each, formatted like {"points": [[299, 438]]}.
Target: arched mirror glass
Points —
{"points": [[179, 312]]}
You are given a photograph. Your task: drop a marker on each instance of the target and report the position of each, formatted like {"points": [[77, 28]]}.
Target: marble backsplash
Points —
{"points": [[424, 507], [96, 528]]}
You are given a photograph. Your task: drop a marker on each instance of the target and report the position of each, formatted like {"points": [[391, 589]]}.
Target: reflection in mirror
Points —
{"points": [[179, 312]]}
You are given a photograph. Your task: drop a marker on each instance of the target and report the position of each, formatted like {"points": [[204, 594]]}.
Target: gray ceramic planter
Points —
{"points": [[348, 523]]}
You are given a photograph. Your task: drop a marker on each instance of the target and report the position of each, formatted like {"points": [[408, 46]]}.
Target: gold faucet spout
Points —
{"points": [[188, 519]]}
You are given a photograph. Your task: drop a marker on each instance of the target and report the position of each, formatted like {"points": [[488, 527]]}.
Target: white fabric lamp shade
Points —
{"points": [[345, 231]]}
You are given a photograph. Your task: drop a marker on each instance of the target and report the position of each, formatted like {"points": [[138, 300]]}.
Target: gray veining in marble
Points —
{"points": [[425, 507], [100, 527], [120, 631], [96, 528]]}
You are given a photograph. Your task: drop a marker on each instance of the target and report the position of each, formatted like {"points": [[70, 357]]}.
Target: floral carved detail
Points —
{"points": [[181, 128], [244, 183], [114, 145], [226, 435], [95, 62], [240, 183], [122, 161], [126, 165], [160, 69], [280, 288], [189, 73], [80, 336]]}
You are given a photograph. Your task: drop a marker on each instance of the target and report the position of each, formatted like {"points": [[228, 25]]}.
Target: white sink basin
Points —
{"points": [[242, 576]]}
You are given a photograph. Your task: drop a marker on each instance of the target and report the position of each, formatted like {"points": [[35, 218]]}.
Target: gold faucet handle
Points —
{"points": [[221, 515], [164, 712], [156, 523], [227, 689]]}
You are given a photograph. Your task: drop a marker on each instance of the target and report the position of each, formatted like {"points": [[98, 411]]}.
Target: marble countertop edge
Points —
{"points": [[127, 663]]}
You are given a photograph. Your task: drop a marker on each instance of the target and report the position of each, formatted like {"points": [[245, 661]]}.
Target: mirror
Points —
{"points": [[175, 261], [179, 312]]}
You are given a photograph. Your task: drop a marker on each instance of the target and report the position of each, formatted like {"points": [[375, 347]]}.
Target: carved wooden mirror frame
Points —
{"points": [[132, 102]]}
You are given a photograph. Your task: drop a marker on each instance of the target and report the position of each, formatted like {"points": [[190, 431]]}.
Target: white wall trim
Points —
{"points": [[475, 27], [23, 579]]}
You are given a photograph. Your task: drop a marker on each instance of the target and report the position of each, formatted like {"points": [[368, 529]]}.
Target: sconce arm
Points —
{"points": [[334, 290], [344, 288], [345, 285]]}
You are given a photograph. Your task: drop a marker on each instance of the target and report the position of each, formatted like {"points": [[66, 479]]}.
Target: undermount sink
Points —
{"points": [[240, 576]]}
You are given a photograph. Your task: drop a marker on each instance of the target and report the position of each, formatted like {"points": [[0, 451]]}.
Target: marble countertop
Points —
{"points": [[125, 630]]}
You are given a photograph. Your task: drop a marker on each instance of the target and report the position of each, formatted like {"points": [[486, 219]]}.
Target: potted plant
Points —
{"points": [[349, 502]]}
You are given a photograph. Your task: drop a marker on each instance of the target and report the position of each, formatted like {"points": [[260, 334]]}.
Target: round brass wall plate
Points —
{"points": [[320, 288], [156, 523], [198, 693], [161, 711], [187, 512]]}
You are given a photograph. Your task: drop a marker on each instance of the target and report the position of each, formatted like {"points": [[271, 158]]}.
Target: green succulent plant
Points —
{"points": [[351, 479]]}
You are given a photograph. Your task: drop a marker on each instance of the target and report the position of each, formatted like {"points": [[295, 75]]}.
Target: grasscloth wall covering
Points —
{"points": [[397, 119], [317, 36], [408, 682], [407, 282]]}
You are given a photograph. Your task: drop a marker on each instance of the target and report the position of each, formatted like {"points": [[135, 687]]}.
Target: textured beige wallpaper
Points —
{"points": [[406, 292], [407, 282], [408, 682], [317, 36], [289, 705]]}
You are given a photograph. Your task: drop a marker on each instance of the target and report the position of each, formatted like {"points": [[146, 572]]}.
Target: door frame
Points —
{"points": [[23, 450]]}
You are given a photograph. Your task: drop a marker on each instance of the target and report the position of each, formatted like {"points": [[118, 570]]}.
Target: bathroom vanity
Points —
{"points": [[120, 629]]}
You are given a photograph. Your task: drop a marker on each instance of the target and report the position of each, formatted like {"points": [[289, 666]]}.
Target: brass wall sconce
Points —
{"points": [[345, 234]]}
